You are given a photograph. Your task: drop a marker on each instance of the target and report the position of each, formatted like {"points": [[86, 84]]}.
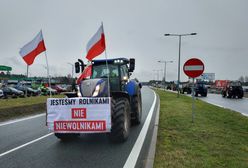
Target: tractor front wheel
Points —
{"points": [[120, 120]]}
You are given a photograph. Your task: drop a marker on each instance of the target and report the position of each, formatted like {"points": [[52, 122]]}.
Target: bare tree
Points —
{"points": [[241, 79], [246, 78]]}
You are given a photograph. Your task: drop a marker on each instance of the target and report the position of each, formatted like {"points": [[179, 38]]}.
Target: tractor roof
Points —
{"points": [[111, 61]]}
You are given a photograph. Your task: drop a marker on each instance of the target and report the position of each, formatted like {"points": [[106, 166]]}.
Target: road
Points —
{"points": [[239, 105], [90, 150]]}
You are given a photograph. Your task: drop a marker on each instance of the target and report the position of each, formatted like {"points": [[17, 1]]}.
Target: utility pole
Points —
{"points": [[180, 37]]}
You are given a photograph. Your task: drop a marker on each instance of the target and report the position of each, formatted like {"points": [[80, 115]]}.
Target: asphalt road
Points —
{"points": [[89, 150], [239, 105]]}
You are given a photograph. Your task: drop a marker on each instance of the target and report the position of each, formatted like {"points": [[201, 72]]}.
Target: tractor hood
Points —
{"points": [[94, 88]]}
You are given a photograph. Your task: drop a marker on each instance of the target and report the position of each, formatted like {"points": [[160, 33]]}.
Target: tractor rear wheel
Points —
{"points": [[120, 120], [137, 109], [240, 95], [229, 95], [224, 94]]}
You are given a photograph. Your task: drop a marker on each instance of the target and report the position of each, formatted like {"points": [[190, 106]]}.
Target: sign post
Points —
{"points": [[193, 68]]}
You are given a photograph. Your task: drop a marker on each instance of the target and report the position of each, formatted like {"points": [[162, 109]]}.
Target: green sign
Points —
{"points": [[5, 68]]}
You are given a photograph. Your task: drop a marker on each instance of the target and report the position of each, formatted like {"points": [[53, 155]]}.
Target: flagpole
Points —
{"points": [[48, 75], [105, 51], [26, 82]]}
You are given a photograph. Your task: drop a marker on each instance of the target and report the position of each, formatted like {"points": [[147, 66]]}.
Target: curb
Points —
{"points": [[152, 148]]}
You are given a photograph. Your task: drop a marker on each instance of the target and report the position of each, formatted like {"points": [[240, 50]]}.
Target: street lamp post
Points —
{"points": [[165, 62], [180, 36], [157, 74], [72, 69]]}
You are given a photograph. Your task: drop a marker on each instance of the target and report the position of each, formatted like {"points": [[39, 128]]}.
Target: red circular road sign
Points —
{"points": [[193, 67]]}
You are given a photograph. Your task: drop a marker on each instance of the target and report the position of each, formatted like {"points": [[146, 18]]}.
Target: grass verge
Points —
{"points": [[246, 95], [217, 138], [20, 107]]}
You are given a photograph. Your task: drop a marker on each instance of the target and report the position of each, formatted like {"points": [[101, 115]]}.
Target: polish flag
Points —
{"points": [[33, 48], [96, 45], [86, 73]]}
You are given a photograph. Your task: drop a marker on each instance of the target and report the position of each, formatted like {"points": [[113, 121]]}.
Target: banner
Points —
{"points": [[79, 115], [221, 83]]}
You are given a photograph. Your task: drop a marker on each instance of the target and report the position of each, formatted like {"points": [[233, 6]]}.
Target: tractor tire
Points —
{"points": [[137, 109], [120, 120], [66, 136], [240, 96], [229, 95], [223, 94]]}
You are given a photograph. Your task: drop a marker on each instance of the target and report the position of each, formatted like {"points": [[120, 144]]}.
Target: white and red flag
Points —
{"points": [[96, 44], [33, 48], [86, 73]]}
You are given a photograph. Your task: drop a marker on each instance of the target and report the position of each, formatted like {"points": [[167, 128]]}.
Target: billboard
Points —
{"points": [[207, 76]]}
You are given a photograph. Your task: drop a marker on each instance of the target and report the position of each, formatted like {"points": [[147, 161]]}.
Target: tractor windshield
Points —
{"points": [[236, 83], [101, 71]]}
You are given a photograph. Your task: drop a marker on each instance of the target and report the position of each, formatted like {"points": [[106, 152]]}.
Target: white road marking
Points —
{"points": [[22, 119], [133, 156], [216, 104], [193, 68], [26, 144]]}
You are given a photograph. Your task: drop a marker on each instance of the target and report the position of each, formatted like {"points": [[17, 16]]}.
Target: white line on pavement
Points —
{"points": [[216, 104], [22, 119], [133, 156], [26, 144], [245, 114]]}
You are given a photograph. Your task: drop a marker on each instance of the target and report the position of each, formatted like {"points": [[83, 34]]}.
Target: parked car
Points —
{"points": [[58, 88], [53, 91], [1, 94], [245, 88], [233, 89], [13, 92], [30, 91]]}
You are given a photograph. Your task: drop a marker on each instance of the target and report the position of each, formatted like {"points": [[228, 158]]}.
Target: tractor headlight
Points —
{"points": [[78, 91], [97, 90]]}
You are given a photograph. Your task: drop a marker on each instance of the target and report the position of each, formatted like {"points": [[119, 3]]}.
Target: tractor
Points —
{"points": [[233, 89], [201, 89], [111, 78]]}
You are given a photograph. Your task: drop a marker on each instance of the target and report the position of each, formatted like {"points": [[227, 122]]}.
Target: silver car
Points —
{"points": [[1, 93]]}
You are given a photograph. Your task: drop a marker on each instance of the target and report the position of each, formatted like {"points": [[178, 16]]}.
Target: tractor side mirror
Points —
{"points": [[77, 67], [131, 65], [81, 64]]}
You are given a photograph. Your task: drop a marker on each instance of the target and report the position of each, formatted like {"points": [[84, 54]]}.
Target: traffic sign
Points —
{"points": [[193, 67]]}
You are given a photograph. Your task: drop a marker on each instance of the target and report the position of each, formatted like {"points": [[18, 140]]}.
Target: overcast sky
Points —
{"points": [[133, 29]]}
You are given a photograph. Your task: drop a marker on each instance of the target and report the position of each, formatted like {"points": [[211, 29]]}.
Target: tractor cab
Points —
{"points": [[117, 71], [96, 75]]}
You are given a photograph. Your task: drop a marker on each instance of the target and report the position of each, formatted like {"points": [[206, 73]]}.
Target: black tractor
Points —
{"points": [[187, 87], [201, 89], [111, 78], [233, 89]]}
